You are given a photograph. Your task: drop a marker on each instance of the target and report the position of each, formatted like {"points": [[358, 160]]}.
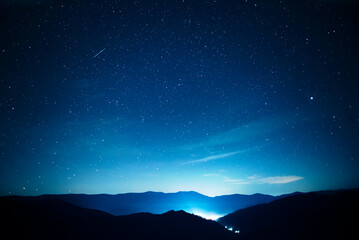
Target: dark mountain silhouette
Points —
{"points": [[158, 202], [316, 215], [55, 219]]}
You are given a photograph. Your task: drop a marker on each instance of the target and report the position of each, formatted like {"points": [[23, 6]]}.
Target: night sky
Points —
{"points": [[218, 97]]}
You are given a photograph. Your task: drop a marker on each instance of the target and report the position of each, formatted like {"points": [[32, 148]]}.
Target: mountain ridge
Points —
{"points": [[56, 219], [158, 202], [313, 215]]}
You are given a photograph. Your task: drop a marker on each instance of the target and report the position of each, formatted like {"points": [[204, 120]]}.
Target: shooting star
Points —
{"points": [[99, 52]]}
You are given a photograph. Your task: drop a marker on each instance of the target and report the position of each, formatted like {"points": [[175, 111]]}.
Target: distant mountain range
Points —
{"points": [[315, 215], [158, 202], [55, 219]]}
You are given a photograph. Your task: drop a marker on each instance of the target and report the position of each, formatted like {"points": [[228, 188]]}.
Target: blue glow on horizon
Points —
{"points": [[209, 215]]}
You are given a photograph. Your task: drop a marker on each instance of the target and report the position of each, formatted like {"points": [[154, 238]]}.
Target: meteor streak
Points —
{"points": [[99, 52]]}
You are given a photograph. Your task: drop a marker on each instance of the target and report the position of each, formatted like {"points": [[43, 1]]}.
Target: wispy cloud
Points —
{"points": [[259, 180], [279, 179], [211, 175], [254, 129], [214, 157], [237, 181]]}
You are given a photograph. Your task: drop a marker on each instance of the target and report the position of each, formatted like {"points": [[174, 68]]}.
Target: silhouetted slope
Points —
{"points": [[51, 219], [158, 202], [317, 215], [55, 219], [230, 203], [173, 225]]}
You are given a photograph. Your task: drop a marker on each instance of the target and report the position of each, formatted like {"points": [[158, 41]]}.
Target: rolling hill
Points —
{"points": [[55, 219], [158, 202], [316, 215]]}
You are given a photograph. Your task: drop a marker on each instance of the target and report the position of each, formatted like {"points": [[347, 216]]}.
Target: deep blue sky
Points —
{"points": [[218, 97]]}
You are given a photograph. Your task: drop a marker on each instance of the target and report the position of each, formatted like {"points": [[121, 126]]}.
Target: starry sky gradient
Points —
{"points": [[218, 97]]}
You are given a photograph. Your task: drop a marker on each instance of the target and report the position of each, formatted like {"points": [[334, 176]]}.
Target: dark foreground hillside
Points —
{"points": [[317, 215], [54, 219]]}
